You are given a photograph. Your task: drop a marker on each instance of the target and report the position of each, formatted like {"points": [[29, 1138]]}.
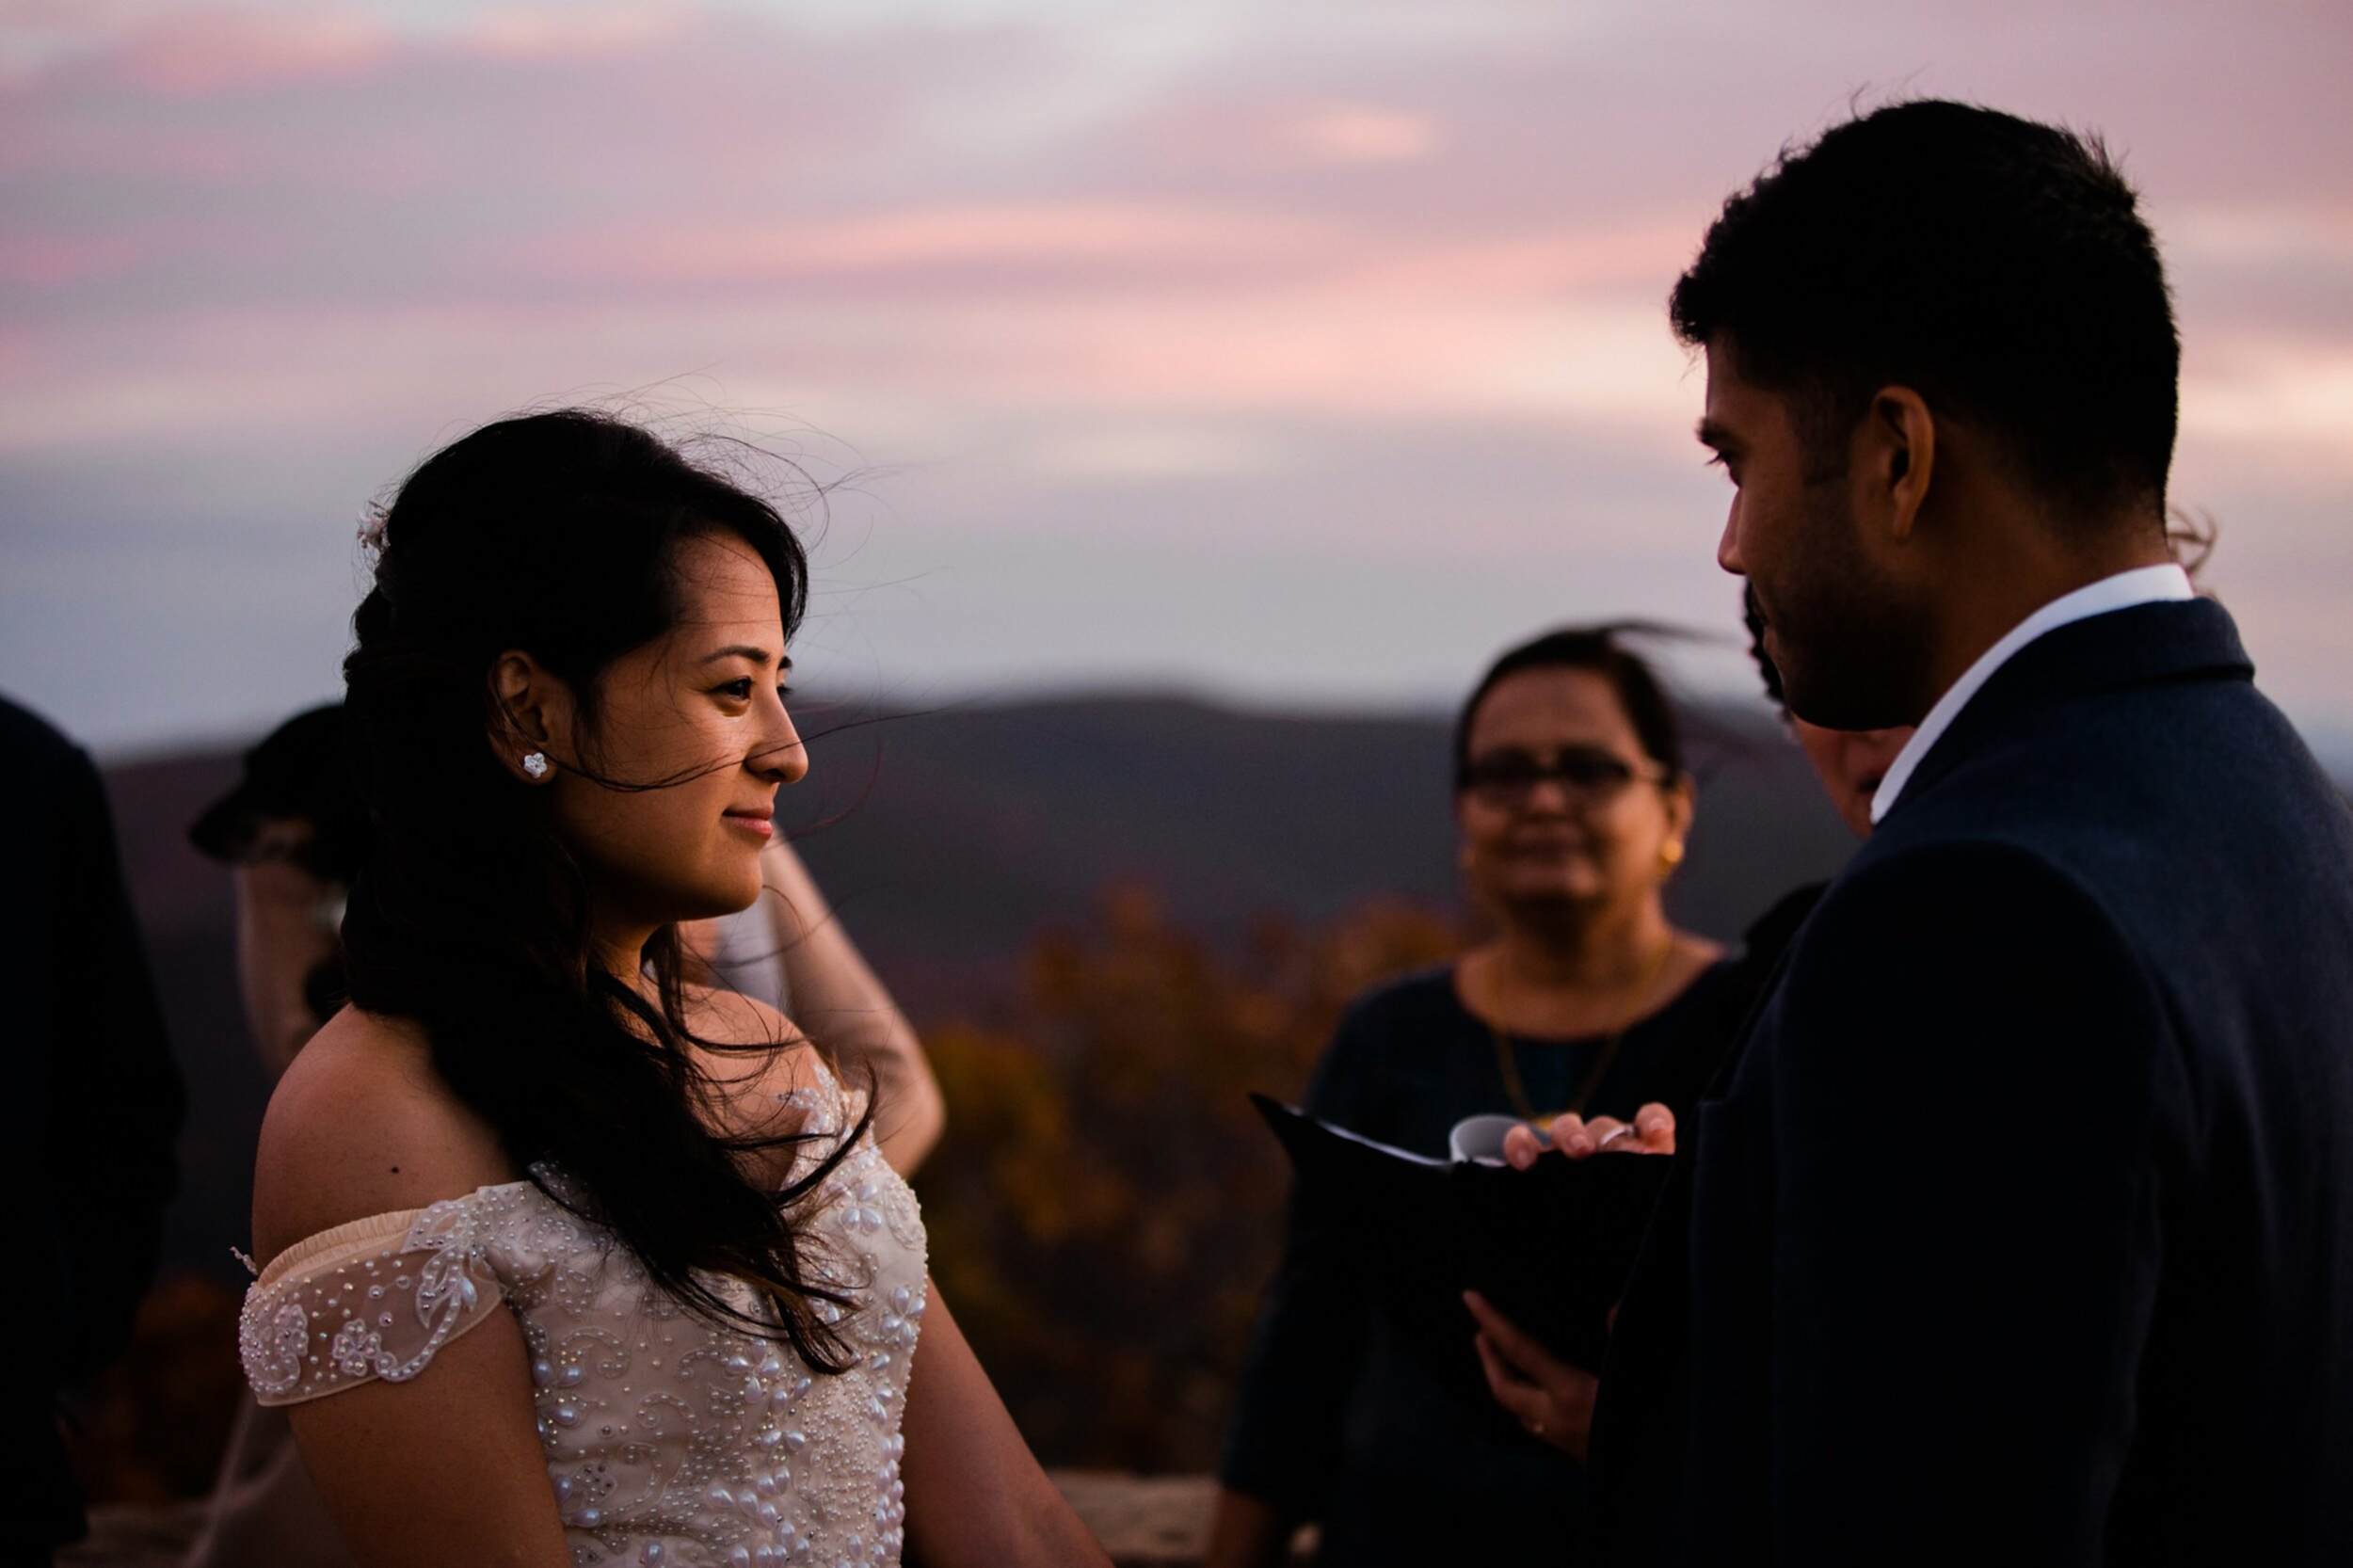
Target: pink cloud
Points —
{"points": [[570, 31], [1551, 262], [1141, 238], [1362, 134], [202, 52], [49, 260], [510, 116], [204, 55]]}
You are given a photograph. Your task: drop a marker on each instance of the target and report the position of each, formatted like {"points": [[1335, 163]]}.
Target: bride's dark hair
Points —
{"points": [[556, 534]]}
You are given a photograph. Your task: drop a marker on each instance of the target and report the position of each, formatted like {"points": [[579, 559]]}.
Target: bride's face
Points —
{"points": [[690, 742]]}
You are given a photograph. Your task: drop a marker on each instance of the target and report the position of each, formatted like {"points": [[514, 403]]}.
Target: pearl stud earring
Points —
{"points": [[535, 765]]}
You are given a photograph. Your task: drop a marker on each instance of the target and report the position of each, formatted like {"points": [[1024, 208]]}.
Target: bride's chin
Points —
{"points": [[718, 898]]}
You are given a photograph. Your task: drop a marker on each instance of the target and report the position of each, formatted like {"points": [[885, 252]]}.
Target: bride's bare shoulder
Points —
{"points": [[360, 1125], [771, 1060], [730, 1019]]}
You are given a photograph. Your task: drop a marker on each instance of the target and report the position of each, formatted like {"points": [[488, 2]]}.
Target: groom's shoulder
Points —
{"points": [[1929, 879], [1939, 929], [2134, 758], [2159, 805]]}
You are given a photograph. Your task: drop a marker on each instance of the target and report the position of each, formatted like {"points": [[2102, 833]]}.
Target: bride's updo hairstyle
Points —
{"points": [[555, 534]]}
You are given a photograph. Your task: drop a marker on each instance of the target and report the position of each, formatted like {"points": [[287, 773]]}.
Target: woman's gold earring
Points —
{"points": [[1672, 853]]}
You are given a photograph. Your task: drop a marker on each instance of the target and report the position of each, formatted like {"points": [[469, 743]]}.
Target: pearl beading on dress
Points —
{"points": [[669, 1440]]}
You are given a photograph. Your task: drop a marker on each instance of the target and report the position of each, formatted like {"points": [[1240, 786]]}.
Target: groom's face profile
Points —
{"points": [[1835, 620]]}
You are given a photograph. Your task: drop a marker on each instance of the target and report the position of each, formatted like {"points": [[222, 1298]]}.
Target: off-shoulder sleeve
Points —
{"points": [[375, 1298]]}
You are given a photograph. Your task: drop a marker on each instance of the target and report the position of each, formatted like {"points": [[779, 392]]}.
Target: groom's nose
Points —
{"points": [[1728, 547]]}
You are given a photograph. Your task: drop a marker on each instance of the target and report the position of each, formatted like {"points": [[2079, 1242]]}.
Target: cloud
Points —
{"points": [[2287, 400], [1133, 241], [1287, 278], [204, 55], [46, 261], [1154, 452], [2310, 234], [1364, 134]]}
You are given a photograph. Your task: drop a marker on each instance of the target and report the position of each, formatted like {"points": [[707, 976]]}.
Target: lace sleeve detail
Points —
{"points": [[376, 1298]]}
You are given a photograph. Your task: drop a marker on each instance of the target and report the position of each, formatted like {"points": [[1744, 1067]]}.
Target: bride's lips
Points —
{"points": [[756, 823]]}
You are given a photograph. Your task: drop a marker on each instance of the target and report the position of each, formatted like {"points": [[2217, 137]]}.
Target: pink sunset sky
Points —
{"points": [[1303, 353]]}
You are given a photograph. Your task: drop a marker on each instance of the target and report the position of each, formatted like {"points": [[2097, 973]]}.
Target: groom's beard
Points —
{"points": [[1852, 646]]}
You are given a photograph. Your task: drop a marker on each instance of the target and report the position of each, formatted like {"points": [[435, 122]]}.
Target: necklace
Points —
{"points": [[1507, 1062]]}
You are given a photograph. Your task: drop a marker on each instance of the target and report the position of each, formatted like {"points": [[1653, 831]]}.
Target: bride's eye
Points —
{"points": [[740, 690]]}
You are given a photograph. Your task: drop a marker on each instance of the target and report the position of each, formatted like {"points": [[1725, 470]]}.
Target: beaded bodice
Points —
{"points": [[669, 1440]]}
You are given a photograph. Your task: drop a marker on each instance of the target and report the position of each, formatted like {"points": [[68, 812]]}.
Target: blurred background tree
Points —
{"points": [[1106, 1206]]}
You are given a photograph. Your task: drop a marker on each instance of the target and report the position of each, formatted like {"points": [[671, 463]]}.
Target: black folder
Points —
{"points": [[1551, 1247]]}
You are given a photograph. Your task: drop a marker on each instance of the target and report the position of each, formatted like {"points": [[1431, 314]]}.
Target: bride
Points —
{"points": [[570, 1260]]}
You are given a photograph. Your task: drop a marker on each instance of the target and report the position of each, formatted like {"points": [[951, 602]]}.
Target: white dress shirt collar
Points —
{"points": [[2140, 586]]}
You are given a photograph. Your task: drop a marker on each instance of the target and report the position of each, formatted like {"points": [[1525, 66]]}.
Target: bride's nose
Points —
{"points": [[781, 756]]}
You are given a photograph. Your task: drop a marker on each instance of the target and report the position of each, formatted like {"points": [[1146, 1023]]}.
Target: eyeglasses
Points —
{"points": [[1586, 775]]}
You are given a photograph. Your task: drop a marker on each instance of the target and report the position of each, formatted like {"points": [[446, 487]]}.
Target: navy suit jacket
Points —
{"points": [[2019, 1227]]}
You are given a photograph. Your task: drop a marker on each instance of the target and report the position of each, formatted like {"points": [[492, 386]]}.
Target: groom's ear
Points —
{"points": [[1897, 460]]}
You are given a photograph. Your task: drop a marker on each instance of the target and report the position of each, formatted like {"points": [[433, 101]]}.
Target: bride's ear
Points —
{"points": [[532, 714]]}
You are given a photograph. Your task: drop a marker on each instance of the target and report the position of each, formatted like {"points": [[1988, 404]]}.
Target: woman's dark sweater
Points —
{"points": [[1339, 1423]]}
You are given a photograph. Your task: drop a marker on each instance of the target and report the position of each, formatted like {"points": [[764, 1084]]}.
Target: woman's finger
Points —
{"points": [[1524, 1400], [1657, 1125], [1607, 1133], [1522, 1148], [1521, 1349], [1570, 1137]]}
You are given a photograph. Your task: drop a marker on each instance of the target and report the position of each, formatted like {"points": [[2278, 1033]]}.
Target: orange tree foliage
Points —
{"points": [[1106, 1206]]}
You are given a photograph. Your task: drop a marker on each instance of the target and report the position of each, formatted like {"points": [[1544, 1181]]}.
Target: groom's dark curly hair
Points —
{"points": [[1997, 266]]}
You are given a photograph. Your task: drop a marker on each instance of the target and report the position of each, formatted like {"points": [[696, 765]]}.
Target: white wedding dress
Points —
{"points": [[669, 1440]]}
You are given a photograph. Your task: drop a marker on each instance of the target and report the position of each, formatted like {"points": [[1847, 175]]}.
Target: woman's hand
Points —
{"points": [[1552, 1398], [1652, 1131], [1245, 1532]]}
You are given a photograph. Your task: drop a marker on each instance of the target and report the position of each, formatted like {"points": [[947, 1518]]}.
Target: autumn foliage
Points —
{"points": [[1106, 1206]]}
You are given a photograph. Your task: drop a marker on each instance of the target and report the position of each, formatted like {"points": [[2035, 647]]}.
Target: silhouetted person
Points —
{"points": [[86, 1126]]}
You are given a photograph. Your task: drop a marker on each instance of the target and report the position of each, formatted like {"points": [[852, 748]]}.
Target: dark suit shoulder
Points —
{"points": [[1978, 893], [1927, 874], [2197, 824], [1770, 935], [43, 765], [1978, 933], [26, 734]]}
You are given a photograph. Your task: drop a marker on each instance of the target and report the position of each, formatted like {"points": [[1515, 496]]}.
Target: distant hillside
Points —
{"points": [[950, 839]]}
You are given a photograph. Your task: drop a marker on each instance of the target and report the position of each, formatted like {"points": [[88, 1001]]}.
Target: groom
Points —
{"points": [[2019, 1227]]}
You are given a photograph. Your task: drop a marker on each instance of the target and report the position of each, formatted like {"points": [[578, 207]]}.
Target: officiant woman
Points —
{"points": [[1573, 807]]}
